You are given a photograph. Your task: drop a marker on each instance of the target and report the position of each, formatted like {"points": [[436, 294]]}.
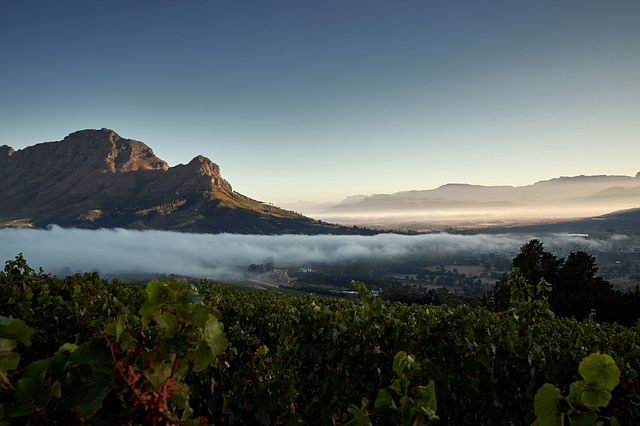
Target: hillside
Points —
{"points": [[618, 222], [97, 179]]}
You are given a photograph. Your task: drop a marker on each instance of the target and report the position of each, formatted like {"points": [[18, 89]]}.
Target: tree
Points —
{"points": [[534, 263], [578, 290]]}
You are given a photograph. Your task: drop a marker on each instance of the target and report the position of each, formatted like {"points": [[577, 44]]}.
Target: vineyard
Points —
{"points": [[84, 350]]}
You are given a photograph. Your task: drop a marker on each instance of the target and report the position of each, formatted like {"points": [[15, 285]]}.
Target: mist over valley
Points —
{"points": [[230, 257], [468, 206]]}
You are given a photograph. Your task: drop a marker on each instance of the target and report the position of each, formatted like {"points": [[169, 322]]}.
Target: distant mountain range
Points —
{"points": [[97, 179], [477, 206]]}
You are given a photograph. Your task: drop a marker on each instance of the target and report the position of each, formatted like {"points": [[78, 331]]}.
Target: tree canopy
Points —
{"points": [[576, 288]]}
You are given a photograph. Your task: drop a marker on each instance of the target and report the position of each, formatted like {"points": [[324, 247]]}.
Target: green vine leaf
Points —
{"points": [[16, 329], [600, 370], [592, 396], [545, 405], [384, 401]]}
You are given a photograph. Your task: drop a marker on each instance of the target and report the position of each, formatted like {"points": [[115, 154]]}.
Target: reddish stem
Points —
{"points": [[117, 366]]}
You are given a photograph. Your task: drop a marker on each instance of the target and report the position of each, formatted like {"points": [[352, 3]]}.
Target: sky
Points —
{"points": [[318, 100]]}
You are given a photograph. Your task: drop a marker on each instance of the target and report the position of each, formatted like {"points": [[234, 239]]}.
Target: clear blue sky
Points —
{"points": [[317, 100]]}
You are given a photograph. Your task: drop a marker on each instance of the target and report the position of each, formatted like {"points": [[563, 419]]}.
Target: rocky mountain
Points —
{"points": [[97, 179]]}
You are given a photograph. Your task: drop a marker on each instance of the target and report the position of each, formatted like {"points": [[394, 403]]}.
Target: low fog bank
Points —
{"points": [[475, 217], [227, 256]]}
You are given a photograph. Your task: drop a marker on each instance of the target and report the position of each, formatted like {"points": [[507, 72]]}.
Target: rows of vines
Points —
{"points": [[83, 350]]}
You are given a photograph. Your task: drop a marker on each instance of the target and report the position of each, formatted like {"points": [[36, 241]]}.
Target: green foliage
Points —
{"points": [[529, 302], [133, 369], [545, 406], [405, 402], [104, 352], [184, 322], [600, 375], [185, 337], [402, 402], [12, 332], [360, 414], [577, 291]]}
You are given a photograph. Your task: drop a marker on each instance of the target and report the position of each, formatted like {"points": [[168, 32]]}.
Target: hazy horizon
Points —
{"points": [[318, 101], [401, 190]]}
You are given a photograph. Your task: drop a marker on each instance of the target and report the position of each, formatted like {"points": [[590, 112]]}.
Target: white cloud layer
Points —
{"points": [[227, 256]]}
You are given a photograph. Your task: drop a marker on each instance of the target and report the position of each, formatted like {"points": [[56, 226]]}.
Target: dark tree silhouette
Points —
{"points": [[535, 263], [576, 289]]}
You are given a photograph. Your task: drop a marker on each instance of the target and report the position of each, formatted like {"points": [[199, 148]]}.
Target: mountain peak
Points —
{"points": [[638, 175], [206, 167], [201, 160], [93, 135], [106, 147]]}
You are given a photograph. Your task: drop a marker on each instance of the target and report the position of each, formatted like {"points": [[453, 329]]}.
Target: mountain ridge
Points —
{"points": [[96, 178], [463, 192], [461, 206]]}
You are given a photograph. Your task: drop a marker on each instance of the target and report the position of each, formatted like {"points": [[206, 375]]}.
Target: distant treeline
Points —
{"points": [[576, 290]]}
